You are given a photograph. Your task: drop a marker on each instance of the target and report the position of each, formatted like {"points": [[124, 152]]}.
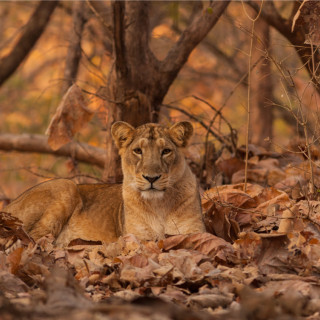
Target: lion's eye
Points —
{"points": [[137, 151], [166, 151]]}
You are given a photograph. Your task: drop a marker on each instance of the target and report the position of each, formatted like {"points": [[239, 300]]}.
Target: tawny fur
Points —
{"points": [[168, 205]]}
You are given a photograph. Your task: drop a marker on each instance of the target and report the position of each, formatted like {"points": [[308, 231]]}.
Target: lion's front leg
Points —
{"points": [[184, 225], [145, 225], [185, 219]]}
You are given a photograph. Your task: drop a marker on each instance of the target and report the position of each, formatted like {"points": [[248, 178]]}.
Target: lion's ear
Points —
{"points": [[122, 133], [181, 132]]}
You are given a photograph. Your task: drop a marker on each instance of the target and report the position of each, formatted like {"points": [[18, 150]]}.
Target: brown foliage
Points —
{"points": [[264, 264], [71, 115]]}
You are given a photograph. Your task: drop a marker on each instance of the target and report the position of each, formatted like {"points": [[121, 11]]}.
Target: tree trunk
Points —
{"points": [[261, 87], [127, 102], [139, 81]]}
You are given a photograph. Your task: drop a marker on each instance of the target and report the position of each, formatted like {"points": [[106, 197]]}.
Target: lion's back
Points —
{"points": [[101, 215], [66, 210], [49, 200]]}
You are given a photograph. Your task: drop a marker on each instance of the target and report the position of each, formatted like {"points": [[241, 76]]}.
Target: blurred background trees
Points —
{"points": [[151, 61]]}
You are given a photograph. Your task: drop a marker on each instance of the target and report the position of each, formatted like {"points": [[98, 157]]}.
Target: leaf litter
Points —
{"points": [[259, 259]]}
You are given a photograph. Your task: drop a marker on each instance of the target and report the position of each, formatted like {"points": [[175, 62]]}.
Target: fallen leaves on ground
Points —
{"points": [[260, 259]]}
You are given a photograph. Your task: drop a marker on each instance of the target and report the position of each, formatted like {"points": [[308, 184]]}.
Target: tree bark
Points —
{"points": [[32, 32], [261, 87], [79, 18], [131, 82], [39, 144], [139, 81]]}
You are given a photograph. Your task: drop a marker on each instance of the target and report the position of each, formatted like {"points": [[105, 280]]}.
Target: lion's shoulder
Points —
{"points": [[93, 193]]}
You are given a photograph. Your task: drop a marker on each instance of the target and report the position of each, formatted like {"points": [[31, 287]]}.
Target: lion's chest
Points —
{"points": [[163, 223], [153, 223], [157, 225]]}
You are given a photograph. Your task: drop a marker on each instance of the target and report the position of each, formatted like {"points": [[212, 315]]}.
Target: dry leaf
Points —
{"points": [[71, 115], [218, 223], [139, 260], [14, 259], [10, 283], [275, 176], [209, 301], [205, 243], [232, 195], [253, 176], [273, 255], [199, 271], [229, 166], [11, 227], [286, 224], [230, 201], [272, 196]]}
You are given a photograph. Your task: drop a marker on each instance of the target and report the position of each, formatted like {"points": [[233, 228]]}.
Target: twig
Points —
{"points": [[242, 79], [218, 112], [191, 116], [96, 6], [249, 87]]}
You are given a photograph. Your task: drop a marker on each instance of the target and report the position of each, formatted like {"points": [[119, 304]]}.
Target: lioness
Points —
{"points": [[158, 196]]}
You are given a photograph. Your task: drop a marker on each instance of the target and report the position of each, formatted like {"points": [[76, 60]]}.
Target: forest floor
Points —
{"points": [[260, 258]]}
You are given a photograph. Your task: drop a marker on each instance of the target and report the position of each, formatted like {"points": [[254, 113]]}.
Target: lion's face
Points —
{"points": [[152, 160]]}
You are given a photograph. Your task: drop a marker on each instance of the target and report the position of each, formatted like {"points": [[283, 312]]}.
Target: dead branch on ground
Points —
{"points": [[39, 144]]}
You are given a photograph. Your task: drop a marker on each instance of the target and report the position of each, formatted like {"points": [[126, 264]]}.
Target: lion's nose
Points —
{"points": [[151, 179]]}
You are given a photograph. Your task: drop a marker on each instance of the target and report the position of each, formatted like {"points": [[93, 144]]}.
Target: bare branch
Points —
{"points": [[218, 112], [308, 57], [272, 16], [202, 23], [39, 144], [191, 116], [103, 13], [79, 18], [33, 30], [230, 61]]}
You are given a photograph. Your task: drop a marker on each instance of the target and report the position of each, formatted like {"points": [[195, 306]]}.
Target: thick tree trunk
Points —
{"points": [[139, 81], [129, 78], [261, 87]]}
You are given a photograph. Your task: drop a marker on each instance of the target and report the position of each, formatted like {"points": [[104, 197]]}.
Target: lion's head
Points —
{"points": [[152, 159]]}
